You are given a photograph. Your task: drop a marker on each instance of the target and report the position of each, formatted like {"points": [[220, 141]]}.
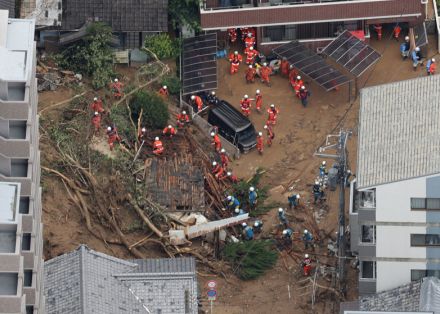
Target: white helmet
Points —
{"points": [[433, 60], [417, 48], [229, 197], [265, 126], [250, 66], [222, 150], [257, 91], [244, 224], [214, 163], [249, 34], [285, 231], [306, 231], [298, 77], [144, 130], [96, 113], [246, 96], [265, 64], [95, 99], [212, 133], [251, 48], [324, 162], [407, 38], [156, 138], [213, 93], [280, 210], [235, 52], [256, 224], [183, 112], [229, 173], [303, 87], [169, 126], [251, 189], [193, 97], [297, 196], [306, 256], [260, 134], [272, 106], [316, 182], [116, 80], [165, 87], [109, 128], [237, 210]]}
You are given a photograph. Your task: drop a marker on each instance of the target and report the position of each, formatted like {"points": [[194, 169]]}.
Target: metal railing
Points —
{"points": [[220, 5]]}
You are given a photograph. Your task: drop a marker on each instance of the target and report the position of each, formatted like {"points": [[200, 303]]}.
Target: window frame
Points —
{"points": [[374, 235], [426, 244], [374, 270], [425, 206]]}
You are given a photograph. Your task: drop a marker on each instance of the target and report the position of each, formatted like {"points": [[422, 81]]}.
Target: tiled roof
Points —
{"points": [[8, 5], [85, 281], [399, 127], [121, 15], [298, 14]]}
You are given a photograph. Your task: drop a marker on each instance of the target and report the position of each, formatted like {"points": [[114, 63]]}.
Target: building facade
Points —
{"points": [[395, 200], [21, 241], [315, 21]]}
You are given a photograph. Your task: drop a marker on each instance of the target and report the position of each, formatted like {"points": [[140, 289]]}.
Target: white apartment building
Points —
{"points": [[395, 199]]}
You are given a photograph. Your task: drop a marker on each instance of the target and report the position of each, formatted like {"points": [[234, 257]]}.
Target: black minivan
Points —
{"points": [[233, 126]]}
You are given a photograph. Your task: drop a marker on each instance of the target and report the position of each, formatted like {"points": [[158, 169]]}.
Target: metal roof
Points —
{"points": [[399, 127], [85, 281], [121, 15], [311, 65]]}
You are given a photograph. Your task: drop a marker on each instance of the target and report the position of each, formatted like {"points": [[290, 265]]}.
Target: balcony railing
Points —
{"points": [[208, 5]]}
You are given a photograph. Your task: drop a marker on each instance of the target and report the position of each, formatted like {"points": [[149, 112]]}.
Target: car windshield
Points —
{"points": [[247, 134]]}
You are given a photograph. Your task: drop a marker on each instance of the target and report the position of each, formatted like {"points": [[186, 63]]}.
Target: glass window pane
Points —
{"points": [[433, 203], [418, 203], [418, 240], [417, 274], [367, 234], [367, 269]]}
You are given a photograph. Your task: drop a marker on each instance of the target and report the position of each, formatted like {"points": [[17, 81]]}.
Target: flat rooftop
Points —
{"points": [[9, 201], [16, 48]]}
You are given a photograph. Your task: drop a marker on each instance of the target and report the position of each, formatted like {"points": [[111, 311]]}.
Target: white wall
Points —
{"points": [[393, 274], [394, 241]]}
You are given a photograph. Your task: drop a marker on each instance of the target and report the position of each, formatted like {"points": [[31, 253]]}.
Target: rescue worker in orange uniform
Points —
{"points": [[229, 176], [96, 105], [163, 91], [217, 170], [249, 41], [431, 67], [170, 131], [142, 135], [232, 35], [216, 142], [197, 101], [182, 119], [284, 67], [258, 100], [265, 72], [117, 88], [224, 158], [260, 143], [235, 59], [378, 29], [113, 136], [250, 54], [270, 134], [245, 104], [396, 32], [157, 147], [250, 74], [292, 75], [96, 121], [244, 32], [307, 265], [297, 85], [273, 115]]}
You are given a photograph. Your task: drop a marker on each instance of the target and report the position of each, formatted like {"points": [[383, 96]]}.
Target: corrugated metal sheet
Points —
{"points": [[299, 14], [8, 5], [121, 15], [164, 265], [399, 127]]}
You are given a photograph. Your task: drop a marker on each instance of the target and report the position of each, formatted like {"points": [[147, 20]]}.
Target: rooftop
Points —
{"points": [[399, 127], [9, 201], [86, 281], [16, 47]]}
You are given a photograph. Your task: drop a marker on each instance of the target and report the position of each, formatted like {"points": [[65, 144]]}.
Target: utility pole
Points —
{"points": [[337, 143]]}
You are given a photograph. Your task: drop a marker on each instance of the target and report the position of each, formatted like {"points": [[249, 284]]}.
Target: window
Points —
{"points": [[28, 278], [30, 309], [368, 234], [417, 274], [425, 203], [368, 270], [367, 199], [425, 239], [26, 242], [23, 207]]}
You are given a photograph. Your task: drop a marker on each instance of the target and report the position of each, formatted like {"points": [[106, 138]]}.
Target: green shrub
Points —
{"points": [[154, 111], [252, 258], [120, 118], [163, 46], [173, 84]]}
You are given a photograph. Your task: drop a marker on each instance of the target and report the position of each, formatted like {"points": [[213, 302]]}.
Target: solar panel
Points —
{"points": [[352, 53], [312, 65], [199, 64]]}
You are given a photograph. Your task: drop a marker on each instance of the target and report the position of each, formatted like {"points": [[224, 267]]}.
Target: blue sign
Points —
{"points": [[212, 293]]}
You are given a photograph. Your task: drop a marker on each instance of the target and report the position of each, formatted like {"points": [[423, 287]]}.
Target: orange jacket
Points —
{"points": [[235, 58], [163, 91], [258, 100], [260, 143], [171, 131], [157, 145], [96, 106]]}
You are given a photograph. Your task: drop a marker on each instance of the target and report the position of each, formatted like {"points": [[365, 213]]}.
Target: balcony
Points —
{"points": [[221, 14]]}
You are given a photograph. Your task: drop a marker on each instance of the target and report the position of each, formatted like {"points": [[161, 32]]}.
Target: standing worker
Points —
{"points": [[96, 121], [260, 143], [113, 136], [269, 133], [198, 102], [307, 265], [293, 201], [248, 232], [170, 131], [245, 104], [287, 237], [249, 41], [396, 32], [307, 239], [258, 100], [142, 135], [212, 98], [182, 119], [404, 48], [251, 55], [235, 59], [292, 75], [417, 58], [232, 35], [250, 74], [216, 142], [431, 67], [265, 72], [273, 115], [322, 169], [282, 217], [224, 158], [157, 146], [297, 85], [304, 95], [253, 196], [378, 29], [96, 105], [117, 89], [284, 67], [318, 193]]}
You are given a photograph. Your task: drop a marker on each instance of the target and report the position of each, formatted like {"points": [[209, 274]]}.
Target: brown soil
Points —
{"points": [[289, 163]]}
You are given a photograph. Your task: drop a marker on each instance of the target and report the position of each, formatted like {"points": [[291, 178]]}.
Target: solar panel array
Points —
{"points": [[311, 65], [352, 53], [199, 64]]}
